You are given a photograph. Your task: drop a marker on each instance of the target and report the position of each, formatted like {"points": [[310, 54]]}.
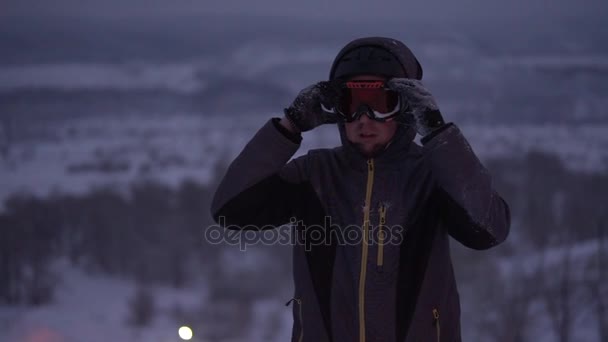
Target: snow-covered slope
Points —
{"points": [[93, 308], [74, 155]]}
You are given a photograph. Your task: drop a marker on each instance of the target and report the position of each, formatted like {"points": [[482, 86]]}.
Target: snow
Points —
{"points": [[116, 151], [523, 284], [457, 57], [578, 255], [86, 308], [185, 76], [561, 62], [180, 77], [579, 147], [94, 309], [269, 56]]}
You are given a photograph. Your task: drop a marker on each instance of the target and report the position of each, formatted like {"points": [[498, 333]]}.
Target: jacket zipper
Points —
{"points": [[299, 301], [437, 325], [364, 248], [380, 259]]}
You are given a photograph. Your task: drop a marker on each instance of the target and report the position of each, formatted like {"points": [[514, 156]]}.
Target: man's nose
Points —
{"points": [[363, 113], [364, 119]]}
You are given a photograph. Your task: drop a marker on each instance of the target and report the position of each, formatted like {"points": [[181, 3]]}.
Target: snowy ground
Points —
{"points": [[94, 308], [550, 267], [90, 308]]}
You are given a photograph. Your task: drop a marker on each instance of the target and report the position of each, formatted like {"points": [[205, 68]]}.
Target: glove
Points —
{"points": [[419, 106], [305, 112]]}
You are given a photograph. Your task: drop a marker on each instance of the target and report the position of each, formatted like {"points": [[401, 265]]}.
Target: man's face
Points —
{"points": [[368, 135]]}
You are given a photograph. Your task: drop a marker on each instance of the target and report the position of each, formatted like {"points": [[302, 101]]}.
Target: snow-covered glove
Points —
{"points": [[419, 107], [305, 112]]}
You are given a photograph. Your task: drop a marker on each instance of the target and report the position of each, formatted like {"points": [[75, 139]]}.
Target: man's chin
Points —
{"points": [[370, 151]]}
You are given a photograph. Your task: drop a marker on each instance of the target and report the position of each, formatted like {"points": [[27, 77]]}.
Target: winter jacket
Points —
{"points": [[380, 288]]}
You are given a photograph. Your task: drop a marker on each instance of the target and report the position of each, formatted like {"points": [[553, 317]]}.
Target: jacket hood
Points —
{"points": [[376, 55]]}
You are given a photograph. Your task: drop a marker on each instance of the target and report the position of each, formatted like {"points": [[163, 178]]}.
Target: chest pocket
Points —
{"points": [[387, 240]]}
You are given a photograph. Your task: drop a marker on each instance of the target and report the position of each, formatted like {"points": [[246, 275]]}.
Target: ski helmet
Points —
{"points": [[376, 56]]}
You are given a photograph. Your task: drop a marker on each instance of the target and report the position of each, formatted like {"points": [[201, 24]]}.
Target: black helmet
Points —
{"points": [[376, 56]]}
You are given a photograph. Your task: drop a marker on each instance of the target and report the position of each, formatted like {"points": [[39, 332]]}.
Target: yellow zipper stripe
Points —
{"points": [[301, 322], [364, 248], [437, 326], [380, 260], [299, 301]]}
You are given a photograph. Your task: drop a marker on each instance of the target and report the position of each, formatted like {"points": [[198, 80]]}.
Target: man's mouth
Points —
{"points": [[367, 135]]}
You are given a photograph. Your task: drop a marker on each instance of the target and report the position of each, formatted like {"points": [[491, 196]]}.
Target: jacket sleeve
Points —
{"points": [[474, 213], [260, 189]]}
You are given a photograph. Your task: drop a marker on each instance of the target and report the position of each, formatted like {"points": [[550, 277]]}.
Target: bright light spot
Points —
{"points": [[185, 333]]}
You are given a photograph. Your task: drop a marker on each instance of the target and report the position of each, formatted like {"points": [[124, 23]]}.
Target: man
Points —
{"points": [[392, 280]]}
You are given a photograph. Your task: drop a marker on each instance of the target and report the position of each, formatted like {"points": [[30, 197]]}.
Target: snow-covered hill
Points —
{"points": [[94, 308], [75, 155]]}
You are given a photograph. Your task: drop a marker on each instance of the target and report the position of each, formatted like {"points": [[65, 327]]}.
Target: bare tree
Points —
{"points": [[142, 308], [510, 305], [7, 135], [11, 261], [558, 292], [596, 281]]}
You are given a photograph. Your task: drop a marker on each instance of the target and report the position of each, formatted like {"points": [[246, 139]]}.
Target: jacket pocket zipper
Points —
{"points": [[381, 237], [436, 322], [300, 320]]}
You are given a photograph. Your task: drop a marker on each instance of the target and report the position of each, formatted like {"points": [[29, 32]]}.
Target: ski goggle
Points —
{"points": [[371, 98]]}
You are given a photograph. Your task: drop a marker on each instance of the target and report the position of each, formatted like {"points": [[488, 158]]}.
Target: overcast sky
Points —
{"points": [[356, 9]]}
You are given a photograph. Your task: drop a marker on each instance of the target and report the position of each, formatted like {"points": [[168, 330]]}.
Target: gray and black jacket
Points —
{"points": [[396, 283]]}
